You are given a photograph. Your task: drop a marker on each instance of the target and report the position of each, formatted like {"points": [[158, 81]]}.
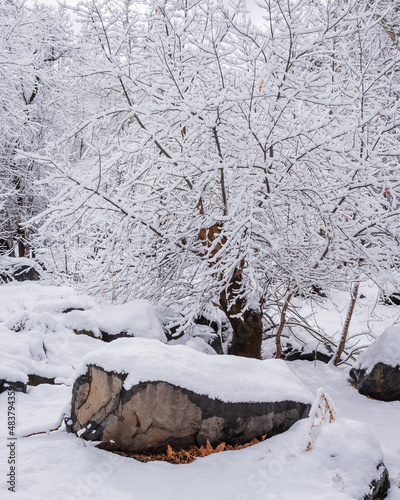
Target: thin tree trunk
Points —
{"points": [[342, 344], [21, 248], [281, 326]]}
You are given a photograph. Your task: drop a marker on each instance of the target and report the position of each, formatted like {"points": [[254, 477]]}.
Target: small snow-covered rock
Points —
{"points": [[144, 395], [210, 332], [13, 374], [377, 369], [296, 344], [136, 318], [19, 269], [308, 352], [82, 323]]}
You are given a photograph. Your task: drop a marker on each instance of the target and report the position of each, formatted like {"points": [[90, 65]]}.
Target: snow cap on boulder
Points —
{"points": [[385, 349], [228, 378]]}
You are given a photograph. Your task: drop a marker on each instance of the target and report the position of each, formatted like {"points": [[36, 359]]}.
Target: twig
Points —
{"points": [[44, 432]]}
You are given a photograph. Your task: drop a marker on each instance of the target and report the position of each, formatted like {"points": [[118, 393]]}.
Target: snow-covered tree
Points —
{"points": [[365, 69], [33, 42], [222, 165]]}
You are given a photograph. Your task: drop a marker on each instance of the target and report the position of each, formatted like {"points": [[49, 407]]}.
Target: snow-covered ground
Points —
{"points": [[327, 462]]}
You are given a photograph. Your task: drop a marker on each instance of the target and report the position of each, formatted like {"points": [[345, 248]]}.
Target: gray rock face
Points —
{"points": [[382, 382], [152, 415]]}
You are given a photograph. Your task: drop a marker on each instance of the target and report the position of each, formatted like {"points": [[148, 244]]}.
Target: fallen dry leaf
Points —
{"points": [[178, 457]]}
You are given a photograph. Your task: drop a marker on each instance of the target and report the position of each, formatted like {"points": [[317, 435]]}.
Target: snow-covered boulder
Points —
{"points": [[71, 302], [377, 370], [199, 344], [35, 346], [203, 330], [143, 395]]}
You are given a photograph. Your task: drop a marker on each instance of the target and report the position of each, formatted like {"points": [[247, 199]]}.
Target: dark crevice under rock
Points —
{"points": [[70, 309], [89, 333], [37, 380], [108, 337]]}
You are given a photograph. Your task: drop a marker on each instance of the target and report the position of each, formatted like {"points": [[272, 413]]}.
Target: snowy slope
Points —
{"points": [[61, 466]]}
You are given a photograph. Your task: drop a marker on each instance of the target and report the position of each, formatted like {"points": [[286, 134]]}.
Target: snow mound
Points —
{"points": [[199, 344], [228, 378], [12, 370], [344, 448], [136, 318], [34, 341], [350, 454], [63, 305], [385, 349], [31, 321], [14, 357]]}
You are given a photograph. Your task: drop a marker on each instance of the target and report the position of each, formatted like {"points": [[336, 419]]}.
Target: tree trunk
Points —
{"points": [[342, 344], [281, 325], [246, 322], [22, 247], [247, 334]]}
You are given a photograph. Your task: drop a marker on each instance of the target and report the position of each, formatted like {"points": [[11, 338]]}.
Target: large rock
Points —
{"points": [[377, 370], [144, 395]]}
